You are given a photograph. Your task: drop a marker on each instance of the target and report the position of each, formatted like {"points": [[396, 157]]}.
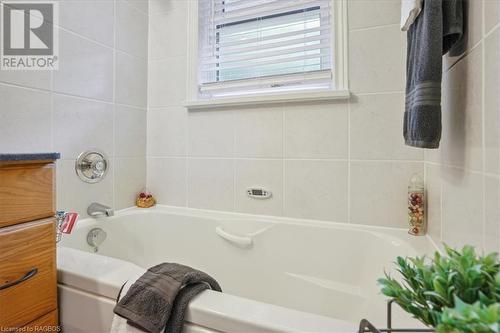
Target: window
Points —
{"points": [[267, 47]]}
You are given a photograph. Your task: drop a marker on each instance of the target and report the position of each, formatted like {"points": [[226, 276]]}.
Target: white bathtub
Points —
{"points": [[296, 276]]}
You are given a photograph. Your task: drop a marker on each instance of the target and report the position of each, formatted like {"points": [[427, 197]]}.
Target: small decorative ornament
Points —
{"points": [[416, 206], [145, 200]]}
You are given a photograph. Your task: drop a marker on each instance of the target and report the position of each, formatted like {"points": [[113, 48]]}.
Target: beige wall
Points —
{"points": [[463, 176], [97, 99], [340, 161]]}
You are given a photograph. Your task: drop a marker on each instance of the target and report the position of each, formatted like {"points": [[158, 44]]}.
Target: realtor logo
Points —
{"points": [[29, 39]]}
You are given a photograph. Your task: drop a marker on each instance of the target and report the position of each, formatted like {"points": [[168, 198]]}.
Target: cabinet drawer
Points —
{"points": [[47, 323], [25, 248], [26, 192]]}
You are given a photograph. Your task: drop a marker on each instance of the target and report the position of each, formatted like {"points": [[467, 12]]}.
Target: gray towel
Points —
{"points": [[158, 299], [436, 31]]}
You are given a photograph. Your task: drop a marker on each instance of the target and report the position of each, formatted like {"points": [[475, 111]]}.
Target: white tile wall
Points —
{"points": [[492, 214], [167, 132], [85, 68], [316, 131], [33, 79], [258, 133], [342, 161], [377, 59], [167, 180], [97, 99], [162, 6], [76, 15], [163, 45], [378, 119], [463, 176], [316, 189], [433, 192], [492, 101], [142, 5], [337, 161], [129, 179], [167, 82], [379, 192], [26, 119], [131, 80], [80, 124], [130, 131], [462, 207], [491, 14], [210, 183], [462, 115], [131, 30], [211, 133], [312, 156], [369, 13]]}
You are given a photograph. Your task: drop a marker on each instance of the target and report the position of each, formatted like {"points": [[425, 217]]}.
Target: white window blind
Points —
{"points": [[263, 46]]}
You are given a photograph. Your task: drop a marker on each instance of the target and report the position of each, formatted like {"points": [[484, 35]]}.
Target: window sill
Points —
{"points": [[267, 99]]}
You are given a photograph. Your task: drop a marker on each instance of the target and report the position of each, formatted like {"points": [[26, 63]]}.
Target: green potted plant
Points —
{"points": [[455, 293]]}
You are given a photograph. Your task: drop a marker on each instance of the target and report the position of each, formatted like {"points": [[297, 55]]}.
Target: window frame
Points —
{"points": [[339, 62]]}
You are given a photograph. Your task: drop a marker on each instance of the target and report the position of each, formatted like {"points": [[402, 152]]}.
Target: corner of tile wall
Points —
{"points": [[463, 176], [97, 99]]}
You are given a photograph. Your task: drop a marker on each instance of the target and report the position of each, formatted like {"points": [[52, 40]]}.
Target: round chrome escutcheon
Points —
{"points": [[91, 166]]}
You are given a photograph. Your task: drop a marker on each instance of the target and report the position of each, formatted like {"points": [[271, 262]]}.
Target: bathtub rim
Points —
{"points": [[382, 232], [210, 309]]}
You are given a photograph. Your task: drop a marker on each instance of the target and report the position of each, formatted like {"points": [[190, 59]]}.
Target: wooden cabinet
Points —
{"points": [[42, 324], [27, 251], [26, 192], [28, 276]]}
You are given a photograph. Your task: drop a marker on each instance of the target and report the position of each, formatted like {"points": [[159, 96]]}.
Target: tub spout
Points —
{"points": [[97, 210]]}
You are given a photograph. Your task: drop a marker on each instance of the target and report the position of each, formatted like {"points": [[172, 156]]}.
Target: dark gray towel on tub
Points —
{"points": [[159, 298], [435, 31]]}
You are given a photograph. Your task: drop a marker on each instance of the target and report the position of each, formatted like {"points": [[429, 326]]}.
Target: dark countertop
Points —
{"points": [[29, 157]]}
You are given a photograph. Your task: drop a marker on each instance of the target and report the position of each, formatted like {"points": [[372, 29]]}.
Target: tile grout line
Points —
{"points": [[186, 162], [233, 153], [426, 193], [111, 48], [294, 159], [374, 27], [483, 124], [492, 30], [52, 90], [349, 161], [52, 113], [130, 3], [168, 58], [283, 154], [113, 192], [441, 191], [370, 93], [148, 161], [457, 167]]}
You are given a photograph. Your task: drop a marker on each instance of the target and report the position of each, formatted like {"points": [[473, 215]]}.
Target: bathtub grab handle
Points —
{"points": [[238, 240]]}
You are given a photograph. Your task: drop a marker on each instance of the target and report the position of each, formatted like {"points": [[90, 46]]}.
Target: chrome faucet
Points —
{"points": [[97, 210]]}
